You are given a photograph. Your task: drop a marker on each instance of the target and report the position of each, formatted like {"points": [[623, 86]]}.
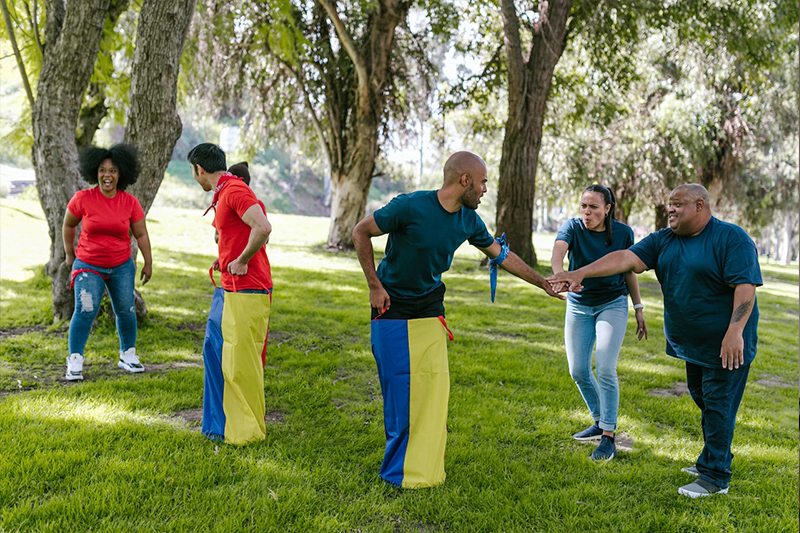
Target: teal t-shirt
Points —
{"points": [[587, 246], [697, 275], [423, 236]]}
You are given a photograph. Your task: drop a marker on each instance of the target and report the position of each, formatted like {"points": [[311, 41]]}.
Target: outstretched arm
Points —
{"points": [[560, 249], [608, 265], [633, 287], [519, 268], [362, 240], [732, 350]]}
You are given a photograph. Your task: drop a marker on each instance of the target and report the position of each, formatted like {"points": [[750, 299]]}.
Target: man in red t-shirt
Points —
{"points": [[236, 335]]}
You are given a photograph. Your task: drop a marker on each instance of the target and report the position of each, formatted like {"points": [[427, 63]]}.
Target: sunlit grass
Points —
{"points": [[118, 453]]}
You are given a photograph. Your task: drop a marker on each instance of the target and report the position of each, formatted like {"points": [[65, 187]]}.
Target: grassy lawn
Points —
{"points": [[124, 452]]}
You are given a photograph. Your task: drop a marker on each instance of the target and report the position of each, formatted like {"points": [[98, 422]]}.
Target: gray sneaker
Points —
{"points": [[699, 488], [591, 433], [691, 470]]}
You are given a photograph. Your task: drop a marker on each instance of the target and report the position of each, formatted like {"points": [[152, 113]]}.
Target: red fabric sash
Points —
{"points": [[222, 180]]}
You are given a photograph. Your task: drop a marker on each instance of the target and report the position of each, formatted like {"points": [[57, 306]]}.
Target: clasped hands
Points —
{"points": [[565, 282]]}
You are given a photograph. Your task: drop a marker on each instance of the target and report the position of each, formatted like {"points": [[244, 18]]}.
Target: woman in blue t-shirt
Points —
{"points": [[598, 313]]}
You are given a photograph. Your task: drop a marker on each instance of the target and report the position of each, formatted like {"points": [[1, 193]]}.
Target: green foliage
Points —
{"points": [[122, 452]]}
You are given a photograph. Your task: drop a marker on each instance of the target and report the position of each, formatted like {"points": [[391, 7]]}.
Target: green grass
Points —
{"points": [[122, 452]]}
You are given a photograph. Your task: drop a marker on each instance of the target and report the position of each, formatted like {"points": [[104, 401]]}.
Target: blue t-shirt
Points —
{"points": [[587, 246], [696, 274], [423, 236]]}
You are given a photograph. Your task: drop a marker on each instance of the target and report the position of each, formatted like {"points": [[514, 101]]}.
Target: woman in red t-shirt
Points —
{"points": [[102, 259]]}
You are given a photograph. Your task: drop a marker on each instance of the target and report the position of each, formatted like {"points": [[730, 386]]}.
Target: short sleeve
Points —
{"points": [[137, 213], [565, 232], [240, 197], [393, 215], [647, 249], [741, 261], [628, 242], [481, 236], [75, 205]]}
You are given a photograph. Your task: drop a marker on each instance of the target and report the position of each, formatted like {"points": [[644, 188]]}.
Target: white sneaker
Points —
{"points": [[129, 361], [74, 367]]}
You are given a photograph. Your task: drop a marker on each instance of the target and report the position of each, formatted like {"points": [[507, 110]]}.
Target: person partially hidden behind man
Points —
{"points": [[708, 270]]}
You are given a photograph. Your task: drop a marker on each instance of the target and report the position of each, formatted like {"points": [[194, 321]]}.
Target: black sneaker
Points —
{"points": [[591, 433], [606, 450]]}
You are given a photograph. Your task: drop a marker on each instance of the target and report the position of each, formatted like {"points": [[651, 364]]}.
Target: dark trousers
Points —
{"points": [[427, 306], [717, 392]]}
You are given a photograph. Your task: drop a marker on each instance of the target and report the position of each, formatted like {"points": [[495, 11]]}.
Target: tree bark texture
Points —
{"points": [[153, 122], [70, 50], [529, 79], [353, 144]]}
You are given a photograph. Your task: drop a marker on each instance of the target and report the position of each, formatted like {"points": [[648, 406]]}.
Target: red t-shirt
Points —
{"points": [[234, 199], [106, 222]]}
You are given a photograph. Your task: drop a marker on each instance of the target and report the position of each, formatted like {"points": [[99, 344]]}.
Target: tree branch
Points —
{"points": [[20, 64], [516, 63], [34, 24], [307, 99], [350, 46]]}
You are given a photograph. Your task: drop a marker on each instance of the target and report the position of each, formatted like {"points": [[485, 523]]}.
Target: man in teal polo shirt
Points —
{"points": [[708, 270], [425, 229]]}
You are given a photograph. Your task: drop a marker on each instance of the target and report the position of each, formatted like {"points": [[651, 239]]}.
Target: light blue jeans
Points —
{"points": [[605, 324], [88, 294]]}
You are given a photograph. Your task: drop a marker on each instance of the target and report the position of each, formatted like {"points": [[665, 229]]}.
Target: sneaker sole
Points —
{"points": [[73, 378], [129, 369], [687, 470], [604, 458], [584, 439], [694, 495]]}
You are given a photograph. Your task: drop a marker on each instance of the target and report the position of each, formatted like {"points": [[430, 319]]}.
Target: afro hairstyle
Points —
{"points": [[124, 157]]}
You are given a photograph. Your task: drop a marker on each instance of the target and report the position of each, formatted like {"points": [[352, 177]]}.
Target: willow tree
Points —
{"points": [[72, 41], [329, 72]]}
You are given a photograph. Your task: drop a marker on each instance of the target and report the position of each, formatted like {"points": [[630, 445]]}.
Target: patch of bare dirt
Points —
{"points": [[14, 332], [273, 417], [193, 418], [191, 326], [769, 380], [679, 389]]}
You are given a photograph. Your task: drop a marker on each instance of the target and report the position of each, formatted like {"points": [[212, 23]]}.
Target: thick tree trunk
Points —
{"points": [[529, 79], [153, 122], [72, 43], [353, 165]]}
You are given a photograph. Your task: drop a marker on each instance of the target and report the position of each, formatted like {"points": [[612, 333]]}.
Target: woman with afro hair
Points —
{"points": [[102, 259]]}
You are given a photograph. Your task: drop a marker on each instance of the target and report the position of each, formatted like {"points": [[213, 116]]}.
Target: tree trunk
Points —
{"points": [[72, 43], [153, 122], [352, 167], [662, 217], [529, 81]]}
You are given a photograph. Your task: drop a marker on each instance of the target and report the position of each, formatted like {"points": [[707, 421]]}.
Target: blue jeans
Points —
{"points": [[718, 393], [605, 324], [88, 293]]}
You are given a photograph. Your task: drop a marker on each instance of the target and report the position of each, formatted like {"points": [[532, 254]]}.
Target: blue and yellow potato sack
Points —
{"points": [[415, 380]]}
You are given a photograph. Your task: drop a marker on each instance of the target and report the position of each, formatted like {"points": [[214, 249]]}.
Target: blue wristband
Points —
{"points": [[504, 251]]}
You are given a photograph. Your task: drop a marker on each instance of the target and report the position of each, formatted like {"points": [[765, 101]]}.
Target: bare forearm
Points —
{"points": [[633, 287], [514, 265], [258, 238], [366, 257], [743, 302], [68, 234], [613, 263], [143, 241]]}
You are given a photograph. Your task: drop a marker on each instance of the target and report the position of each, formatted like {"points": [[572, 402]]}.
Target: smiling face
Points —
{"points": [[685, 213], [594, 210], [107, 178]]}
